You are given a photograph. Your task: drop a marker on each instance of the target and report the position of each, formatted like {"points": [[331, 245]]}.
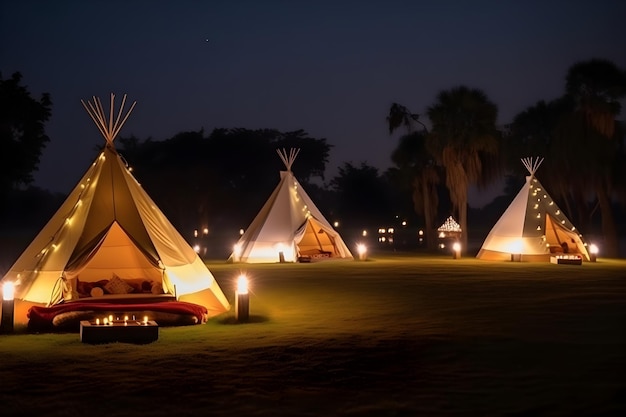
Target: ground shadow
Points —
{"points": [[251, 319]]}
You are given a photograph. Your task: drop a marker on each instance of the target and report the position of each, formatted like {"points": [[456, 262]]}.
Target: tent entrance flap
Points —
{"points": [[557, 235], [314, 238], [114, 253]]}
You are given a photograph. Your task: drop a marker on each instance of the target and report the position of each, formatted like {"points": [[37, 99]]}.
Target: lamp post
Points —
{"points": [[242, 300], [593, 252], [362, 251], [8, 305], [456, 250]]}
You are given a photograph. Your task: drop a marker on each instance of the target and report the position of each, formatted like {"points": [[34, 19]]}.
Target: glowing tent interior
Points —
{"points": [[533, 227], [109, 227], [289, 227]]}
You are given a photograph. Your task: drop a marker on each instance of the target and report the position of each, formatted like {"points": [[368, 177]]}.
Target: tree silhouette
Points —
{"points": [[587, 142], [464, 133], [22, 132], [413, 156]]}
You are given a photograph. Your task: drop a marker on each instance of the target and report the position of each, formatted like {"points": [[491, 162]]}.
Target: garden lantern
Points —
{"points": [[456, 250], [593, 252], [242, 299], [8, 306], [362, 251]]}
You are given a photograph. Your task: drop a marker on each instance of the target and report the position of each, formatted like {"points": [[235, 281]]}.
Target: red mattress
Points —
{"points": [[43, 317]]}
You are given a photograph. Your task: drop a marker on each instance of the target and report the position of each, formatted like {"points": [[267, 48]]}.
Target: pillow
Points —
{"points": [[116, 285], [157, 288], [97, 292]]}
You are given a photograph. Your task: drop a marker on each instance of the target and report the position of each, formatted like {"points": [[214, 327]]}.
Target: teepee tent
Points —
{"points": [[533, 227], [109, 225], [289, 226]]}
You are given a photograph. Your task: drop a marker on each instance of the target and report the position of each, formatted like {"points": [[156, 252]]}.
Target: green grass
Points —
{"points": [[394, 335]]}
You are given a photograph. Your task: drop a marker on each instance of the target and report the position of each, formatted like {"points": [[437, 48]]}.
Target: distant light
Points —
{"points": [[593, 249], [404, 223], [361, 249], [241, 232], [420, 232], [196, 248], [456, 246], [237, 250], [205, 231], [195, 232], [390, 230], [364, 233], [336, 224]]}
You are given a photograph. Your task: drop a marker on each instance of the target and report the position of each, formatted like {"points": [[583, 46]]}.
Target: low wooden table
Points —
{"points": [[131, 331]]}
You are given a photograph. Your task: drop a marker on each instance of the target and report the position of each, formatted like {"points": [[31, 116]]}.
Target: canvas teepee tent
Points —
{"points": [[289, 227], [109, 225], [533, 226]]}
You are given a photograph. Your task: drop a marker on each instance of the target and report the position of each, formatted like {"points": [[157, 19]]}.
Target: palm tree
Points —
{"points": [[466, 139], [531, 134], [412, 156], [588, 141]]}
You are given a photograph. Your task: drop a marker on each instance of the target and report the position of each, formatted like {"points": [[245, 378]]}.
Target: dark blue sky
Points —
{"points": [[332, 68]]}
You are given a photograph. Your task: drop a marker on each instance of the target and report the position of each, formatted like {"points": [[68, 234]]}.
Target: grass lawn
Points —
{"points": [[392, 336]]}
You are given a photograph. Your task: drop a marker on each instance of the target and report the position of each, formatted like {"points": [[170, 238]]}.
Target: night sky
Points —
{"points": [[331, 68]]}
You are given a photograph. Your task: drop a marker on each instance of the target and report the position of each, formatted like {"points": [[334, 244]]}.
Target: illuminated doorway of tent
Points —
{"points": [[559, 239], [113, 252], [315, 241]]}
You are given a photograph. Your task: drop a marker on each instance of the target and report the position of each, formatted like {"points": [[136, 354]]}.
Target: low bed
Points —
{"points": [[117, 297]]}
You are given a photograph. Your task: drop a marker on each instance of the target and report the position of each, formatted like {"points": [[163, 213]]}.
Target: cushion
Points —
{"points": [[97, 292], [116, 285], [157, 288]]}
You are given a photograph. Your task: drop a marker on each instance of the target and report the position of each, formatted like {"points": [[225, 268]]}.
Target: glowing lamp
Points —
{"points": [[242, 299], [281, 252], [362, 251], [516, 250], [242, 284], [8, 307], [456, 250], [593, 252], [8, 291]]}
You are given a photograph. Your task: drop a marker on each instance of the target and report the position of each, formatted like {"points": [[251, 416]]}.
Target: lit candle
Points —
{"points": [[111, 319], [97, 322], [106, 321], [125, 318], [145, 320]]}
